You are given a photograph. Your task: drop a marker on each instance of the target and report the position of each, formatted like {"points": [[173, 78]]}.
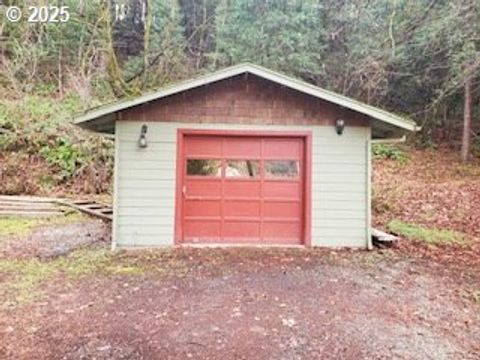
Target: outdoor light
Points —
{"points": [[142, 140], [340, 126]]}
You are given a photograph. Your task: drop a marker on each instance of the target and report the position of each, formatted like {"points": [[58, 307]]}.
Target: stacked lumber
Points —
{"points": [[31, 206], [28, 206]]}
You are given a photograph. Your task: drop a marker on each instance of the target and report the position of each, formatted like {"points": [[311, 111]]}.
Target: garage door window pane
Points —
{"points": [[281, 169], [242, 169], [204, 167]]}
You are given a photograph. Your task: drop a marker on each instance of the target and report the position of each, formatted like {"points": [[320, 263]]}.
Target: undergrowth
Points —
{"points": [[37, 134], [392, 152]]}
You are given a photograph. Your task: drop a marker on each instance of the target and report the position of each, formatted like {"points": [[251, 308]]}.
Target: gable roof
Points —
{"points": [[103, 114]]}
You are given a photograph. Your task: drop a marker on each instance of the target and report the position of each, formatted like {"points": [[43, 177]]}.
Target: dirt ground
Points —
{"points": [[235, 304], [52, 241]]}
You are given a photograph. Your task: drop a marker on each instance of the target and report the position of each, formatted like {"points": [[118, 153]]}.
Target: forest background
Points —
{"points": [[419, 58]]}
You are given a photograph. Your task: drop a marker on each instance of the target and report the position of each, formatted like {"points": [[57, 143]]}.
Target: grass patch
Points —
{"points": [[21, 279], [13, 225], [26, 280], [427, 235]]}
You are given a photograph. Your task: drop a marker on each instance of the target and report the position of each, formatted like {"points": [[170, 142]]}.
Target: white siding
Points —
{"points": [[145, 200]]}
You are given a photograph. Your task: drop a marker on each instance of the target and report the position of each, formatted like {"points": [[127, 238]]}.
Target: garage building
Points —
{"points": [[243, 156]]}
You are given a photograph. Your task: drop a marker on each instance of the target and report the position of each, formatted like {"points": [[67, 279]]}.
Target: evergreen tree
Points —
{"points": [[283, 35]]}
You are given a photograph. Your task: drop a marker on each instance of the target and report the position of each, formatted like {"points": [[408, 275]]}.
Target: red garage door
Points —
{"points": [[242, 189]]}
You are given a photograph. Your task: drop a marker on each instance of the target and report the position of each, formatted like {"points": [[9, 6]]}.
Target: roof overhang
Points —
{"points": [[102, 119]]}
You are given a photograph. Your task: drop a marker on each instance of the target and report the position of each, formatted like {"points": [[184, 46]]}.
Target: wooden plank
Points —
{"points": [[30, 213], [28, 199], [88, 210], [82, 202], [27, 208], [7, 204], [23, 202], [381, 236], [94, 206], [43, 206]]}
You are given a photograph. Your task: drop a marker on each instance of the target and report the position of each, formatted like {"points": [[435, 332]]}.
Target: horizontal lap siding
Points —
{"points": [[146, 182], [146, 186], [339, 182]]}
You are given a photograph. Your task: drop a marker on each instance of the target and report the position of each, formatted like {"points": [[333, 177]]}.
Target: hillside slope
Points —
{"points": [[42, 153], [431, 200], [428, 187]]}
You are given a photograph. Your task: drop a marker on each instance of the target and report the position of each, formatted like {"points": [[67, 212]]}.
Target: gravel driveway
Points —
{"points": [[247, 304]]}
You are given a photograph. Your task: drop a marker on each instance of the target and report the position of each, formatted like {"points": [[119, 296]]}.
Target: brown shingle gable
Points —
{"points": [[243, 99]]}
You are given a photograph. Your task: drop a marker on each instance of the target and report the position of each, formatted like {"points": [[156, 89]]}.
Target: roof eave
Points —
{"points": [[261, 72], [167, 91], [334, 98]]}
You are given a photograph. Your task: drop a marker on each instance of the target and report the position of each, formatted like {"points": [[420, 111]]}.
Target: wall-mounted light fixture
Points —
{"points": [[340, 126], [142, 140]]}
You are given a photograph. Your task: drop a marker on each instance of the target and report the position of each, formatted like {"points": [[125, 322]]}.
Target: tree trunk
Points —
{"points": [[467, 119]]}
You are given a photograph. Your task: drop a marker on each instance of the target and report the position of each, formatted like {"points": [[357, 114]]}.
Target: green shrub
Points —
{"points": [[40, 109], [71, 103], [45, 88], [7, 138], [4, 121], [7, 141], [386, 151], [46, 181], [65, 155], [39, 128]]}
